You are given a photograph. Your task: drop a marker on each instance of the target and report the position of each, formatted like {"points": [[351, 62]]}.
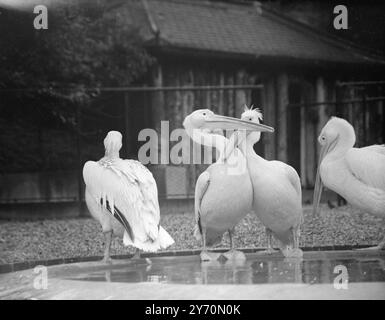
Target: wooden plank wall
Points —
{"points": [[269, 107]]}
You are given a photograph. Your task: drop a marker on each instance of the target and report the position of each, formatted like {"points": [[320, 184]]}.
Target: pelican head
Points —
{"points": [[336, 137], [205, 119], [337, 131], [113, 144], [251, 115], [254, 115]]}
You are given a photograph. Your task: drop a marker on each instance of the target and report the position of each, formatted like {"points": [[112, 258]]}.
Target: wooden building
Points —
{"points": [[214, 43]]}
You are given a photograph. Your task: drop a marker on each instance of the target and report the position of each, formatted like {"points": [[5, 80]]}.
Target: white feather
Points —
{"points": [[131, 188], [368, 165], [357, 174]]}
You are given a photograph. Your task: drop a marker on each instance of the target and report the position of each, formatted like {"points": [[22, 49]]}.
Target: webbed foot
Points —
{"points": [[234, 255], [107, 260], [292, 253], [136, 255], [209, 256]]}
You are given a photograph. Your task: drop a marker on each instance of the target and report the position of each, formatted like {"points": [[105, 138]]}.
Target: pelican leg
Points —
{"points": [[136, 254], [296, 236], [108, 237], [206, 255], [233, 254], [381, 245], [295, 251], [269, 235]]}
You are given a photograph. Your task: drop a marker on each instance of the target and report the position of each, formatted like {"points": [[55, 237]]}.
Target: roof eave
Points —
{"points": [[161, 46]]}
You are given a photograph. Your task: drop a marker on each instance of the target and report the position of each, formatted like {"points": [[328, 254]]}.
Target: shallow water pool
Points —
{"points": [[314, 268]]}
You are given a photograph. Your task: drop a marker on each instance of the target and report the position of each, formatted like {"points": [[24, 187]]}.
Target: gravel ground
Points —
{"points": [[65, 238]]}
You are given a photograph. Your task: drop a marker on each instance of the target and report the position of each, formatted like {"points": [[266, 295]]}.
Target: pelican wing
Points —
{"points": [[368, 165], [147, 185], [379, 148], [294, 179], [128, 190], [291, 174]]}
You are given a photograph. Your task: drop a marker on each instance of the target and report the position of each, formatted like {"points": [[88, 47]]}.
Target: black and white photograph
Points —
{"points": [[203, 152]]}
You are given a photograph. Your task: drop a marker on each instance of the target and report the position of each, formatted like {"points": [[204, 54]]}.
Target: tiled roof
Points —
{"points": [[244, 28]]}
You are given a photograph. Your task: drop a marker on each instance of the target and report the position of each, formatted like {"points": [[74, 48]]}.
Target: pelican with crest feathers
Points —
{"points": [[357, 174], [277, 195], [223, 193], [122, 195]]}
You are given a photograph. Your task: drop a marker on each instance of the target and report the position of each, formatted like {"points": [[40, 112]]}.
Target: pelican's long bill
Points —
{"points": [[229, 123], [317, 190], [325, 149], [241, 127]]}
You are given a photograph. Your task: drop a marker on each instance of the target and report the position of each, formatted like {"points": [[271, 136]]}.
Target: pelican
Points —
{"points": [[122, 195], [223, 194], [277, 195], [357, 174]]}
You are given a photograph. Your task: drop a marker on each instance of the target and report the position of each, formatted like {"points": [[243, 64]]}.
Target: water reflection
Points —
{"points": [[275, 270]]}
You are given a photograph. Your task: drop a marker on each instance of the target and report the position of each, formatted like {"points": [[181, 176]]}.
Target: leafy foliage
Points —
{"points": [[83, 46], [46, 74]]}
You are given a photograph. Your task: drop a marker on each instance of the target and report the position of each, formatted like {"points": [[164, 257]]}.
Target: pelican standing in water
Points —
{"points": [[277, 195], [122, 195], [357, 174], [223, 193]]}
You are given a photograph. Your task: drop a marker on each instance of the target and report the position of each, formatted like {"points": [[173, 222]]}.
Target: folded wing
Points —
{"points": [[128, 191], [368, 165]]}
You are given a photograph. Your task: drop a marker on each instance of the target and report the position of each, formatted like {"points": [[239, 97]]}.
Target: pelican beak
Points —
{"points": [[317, 189], [242, 127], [325, 149], [228, 123]]}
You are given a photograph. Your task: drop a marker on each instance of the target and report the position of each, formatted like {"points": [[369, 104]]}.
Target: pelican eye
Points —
{"points": [[204, 113], [250, 119]]}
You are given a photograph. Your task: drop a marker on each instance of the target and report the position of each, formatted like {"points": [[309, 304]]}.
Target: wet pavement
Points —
{"points": [[318, 275]]}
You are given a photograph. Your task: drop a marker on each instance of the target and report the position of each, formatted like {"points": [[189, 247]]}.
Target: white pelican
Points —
{"points": [[357, 174], [277, 192], [122, 195], [222, 197]]}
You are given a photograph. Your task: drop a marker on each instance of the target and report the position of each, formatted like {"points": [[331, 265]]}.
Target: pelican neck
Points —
{"points": [[339, 151], [207, 139], [113, 156], [250, 152]]}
